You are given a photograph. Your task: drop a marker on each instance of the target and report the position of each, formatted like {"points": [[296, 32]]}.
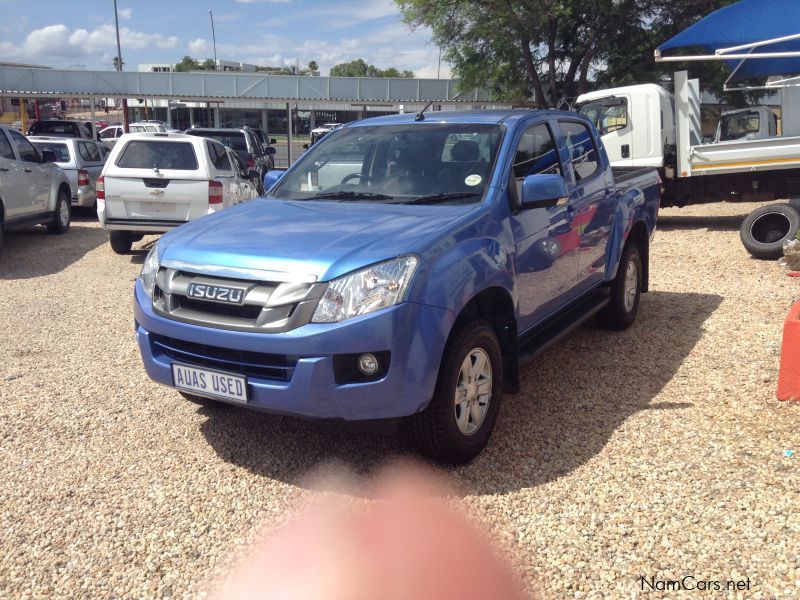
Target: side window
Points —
{"points": [[6, 151], [26, 150], [581, 150], [536, 155], [89, 152], [218, 156]]}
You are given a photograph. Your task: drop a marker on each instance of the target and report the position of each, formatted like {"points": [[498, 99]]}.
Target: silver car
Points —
{"points": [[81, 160]]}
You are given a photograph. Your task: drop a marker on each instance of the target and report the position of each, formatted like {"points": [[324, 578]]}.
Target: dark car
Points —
{"points": [[69, 129], [247, 146]]}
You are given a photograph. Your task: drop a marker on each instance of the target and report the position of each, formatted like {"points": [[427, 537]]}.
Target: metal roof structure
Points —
{"points": [[210, 86]]}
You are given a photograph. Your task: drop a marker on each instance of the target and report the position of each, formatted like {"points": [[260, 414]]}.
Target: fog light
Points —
{"points": [[368, 364]]}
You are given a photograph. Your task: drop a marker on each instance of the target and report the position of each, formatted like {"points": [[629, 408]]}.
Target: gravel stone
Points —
{"points": [[653, 452]]}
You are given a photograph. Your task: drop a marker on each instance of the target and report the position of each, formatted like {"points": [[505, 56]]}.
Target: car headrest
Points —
{"points": [[465, 151]]}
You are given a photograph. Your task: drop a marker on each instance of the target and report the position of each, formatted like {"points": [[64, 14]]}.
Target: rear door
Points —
{"points": [[592, 199], [34, 175], [156, 179], [545, 261]]}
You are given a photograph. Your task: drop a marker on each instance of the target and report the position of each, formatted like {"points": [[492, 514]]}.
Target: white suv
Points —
{"points": [[154, 182]]}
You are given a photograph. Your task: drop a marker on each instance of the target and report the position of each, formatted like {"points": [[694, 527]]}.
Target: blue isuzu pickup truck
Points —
{"points": [[404, 267]]}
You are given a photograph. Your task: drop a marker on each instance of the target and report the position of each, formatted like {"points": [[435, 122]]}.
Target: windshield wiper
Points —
{"points": [[348, 195], [436, 198]]}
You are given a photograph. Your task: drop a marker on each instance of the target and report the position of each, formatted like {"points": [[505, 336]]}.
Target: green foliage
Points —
{"points": [[313, 66], [554, 50], [208, 65], [359, 68], [187, 64]]}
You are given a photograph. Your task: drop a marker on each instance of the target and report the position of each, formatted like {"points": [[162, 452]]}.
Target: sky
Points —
{"points": [[79, 34]]}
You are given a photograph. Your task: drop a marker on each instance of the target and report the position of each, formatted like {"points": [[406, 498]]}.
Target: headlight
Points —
{"points": [[149, 271], [365, 291]]}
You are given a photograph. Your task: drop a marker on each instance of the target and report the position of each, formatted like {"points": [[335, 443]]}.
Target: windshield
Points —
{"points": [[442, 163], [232, 139], [738, 125], [146, 154], [608, 114]]}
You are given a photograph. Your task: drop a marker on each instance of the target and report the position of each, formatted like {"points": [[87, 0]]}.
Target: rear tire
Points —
{"points": [[626, 291], [766, 229], [457, 423], [63, 214], [121, 241]]}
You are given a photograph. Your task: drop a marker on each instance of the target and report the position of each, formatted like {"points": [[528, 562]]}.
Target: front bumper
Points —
{"points": [[414, 334]]}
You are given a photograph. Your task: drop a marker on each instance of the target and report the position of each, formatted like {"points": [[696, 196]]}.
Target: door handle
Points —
{"points": [[28, 171], [3, 169]]}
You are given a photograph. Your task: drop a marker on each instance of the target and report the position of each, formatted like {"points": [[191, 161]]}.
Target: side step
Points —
{"points": [[560, 325]]}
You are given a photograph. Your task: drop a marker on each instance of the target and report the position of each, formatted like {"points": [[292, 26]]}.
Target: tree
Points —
{"points": [[187, 64], [550, 50], [116, 65], [313, 66], [359, 68], [208, 65]]}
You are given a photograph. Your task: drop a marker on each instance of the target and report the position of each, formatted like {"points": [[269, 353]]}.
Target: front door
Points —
{"points": [[546, 269], [34, 175]]}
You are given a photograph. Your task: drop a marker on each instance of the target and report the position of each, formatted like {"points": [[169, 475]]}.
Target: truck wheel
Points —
{"points": [[459, 419], [62, 216], [766, 229], [626, 290], [121, 241]]}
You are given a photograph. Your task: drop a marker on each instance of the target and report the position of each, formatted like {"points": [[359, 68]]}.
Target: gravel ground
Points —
{"points": [[655, 452]]}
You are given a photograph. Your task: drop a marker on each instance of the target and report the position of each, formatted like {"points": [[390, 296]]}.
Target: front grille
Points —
{"points": [[260, 365], [270, 307], [247, 312]]}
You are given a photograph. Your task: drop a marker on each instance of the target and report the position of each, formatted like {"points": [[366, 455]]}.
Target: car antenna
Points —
{"points": [[420, 116]]}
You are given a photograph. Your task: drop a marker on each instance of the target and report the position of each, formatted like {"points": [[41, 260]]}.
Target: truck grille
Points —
{"points": [[251, 364], [270, 307]]}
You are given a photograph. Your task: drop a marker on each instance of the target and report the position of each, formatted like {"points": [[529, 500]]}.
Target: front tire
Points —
{"points": [[63, 214], [121, 241], [626, 291], [459, 419]]}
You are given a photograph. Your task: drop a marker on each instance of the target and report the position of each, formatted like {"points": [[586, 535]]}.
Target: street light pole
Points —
{"points": [[125, 127], [213, 37]]}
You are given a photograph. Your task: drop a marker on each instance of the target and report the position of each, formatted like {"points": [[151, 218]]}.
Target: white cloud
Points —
{"points": [[56, 44], [125, 13], [198, 47]]}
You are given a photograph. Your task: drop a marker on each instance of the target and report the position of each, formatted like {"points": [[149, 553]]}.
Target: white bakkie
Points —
{"points": [[154, 182]]}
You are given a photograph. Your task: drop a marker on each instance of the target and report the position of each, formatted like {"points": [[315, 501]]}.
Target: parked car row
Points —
{"points": [[154, 181]]}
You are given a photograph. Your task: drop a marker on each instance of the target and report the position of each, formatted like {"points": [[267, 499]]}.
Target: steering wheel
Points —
{"points": [[355, 176]]}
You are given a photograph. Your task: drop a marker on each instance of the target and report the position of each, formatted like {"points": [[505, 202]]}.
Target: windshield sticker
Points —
{"points": [[473, 180]]}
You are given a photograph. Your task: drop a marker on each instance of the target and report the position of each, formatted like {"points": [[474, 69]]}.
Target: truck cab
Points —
{"points": [[636, 123]]}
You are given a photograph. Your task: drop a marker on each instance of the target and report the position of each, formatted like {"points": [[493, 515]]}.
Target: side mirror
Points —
{"points": [[273, 141], [271, 178], [270, 150], [48, 156], [543, 191], [305, 146]]}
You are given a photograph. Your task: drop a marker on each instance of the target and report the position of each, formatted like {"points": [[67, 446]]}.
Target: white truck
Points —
{"points": [[749, 159]]}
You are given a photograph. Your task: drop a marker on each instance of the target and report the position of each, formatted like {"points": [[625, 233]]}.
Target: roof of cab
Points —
{"points": [[463, 116]]}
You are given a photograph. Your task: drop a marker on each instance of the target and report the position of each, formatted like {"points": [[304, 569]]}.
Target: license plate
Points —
{"points": [[213, 384]]}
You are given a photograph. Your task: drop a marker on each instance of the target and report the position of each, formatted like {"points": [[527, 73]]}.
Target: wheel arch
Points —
{"points": [[495, 305]]}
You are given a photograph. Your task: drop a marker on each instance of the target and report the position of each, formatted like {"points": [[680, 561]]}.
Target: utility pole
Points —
{"points": [[125, 126], [213, 37], [439, 67]]}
